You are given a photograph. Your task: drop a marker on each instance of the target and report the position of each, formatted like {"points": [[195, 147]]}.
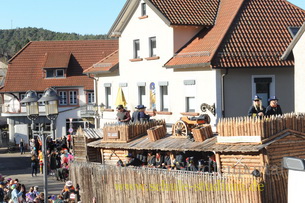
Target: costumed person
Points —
{"points": [[139, 115], [70, 192], [257, 109], [123, 115], [274, 108], [151, 160], [132, 161], [159, 160]]}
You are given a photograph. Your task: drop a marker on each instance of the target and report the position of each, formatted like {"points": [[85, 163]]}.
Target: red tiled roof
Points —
{"points": [[257, 36], [57, 60], [25, 68], [188, 12], [106, 64], [202, 48]]}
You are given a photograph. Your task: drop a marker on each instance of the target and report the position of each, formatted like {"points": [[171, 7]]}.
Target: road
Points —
{"points": [[13, 165]]}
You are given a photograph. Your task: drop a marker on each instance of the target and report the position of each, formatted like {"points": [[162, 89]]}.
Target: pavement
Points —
{"points": [[14, 165]]}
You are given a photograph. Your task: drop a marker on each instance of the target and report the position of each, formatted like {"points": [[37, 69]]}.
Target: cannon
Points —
{"points": [[184, 126]]}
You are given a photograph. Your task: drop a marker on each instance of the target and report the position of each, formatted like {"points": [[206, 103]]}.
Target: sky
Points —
{"points": [[71, 16]]}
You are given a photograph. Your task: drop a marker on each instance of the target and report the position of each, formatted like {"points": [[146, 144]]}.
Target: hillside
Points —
{"points": [[13, 40]]}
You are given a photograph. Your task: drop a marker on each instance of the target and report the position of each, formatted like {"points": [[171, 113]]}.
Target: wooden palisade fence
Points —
{"points": [[114, 132], [125, 184], [264, 127]]}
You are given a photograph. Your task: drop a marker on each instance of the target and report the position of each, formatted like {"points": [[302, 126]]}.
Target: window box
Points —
{"points": [[143, 17], [152, 58], [164, 113], [189, 114], [135, 60], [108, 110]]}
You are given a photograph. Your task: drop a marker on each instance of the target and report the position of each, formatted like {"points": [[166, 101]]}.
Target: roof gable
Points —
{"points": [[57, 60], [173, 12], [186, 12], [25, 69], [106, 65], [256, 37], [203, 47]]}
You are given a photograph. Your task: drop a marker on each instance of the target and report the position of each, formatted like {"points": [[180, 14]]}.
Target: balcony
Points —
{"points": [[88, 111]]}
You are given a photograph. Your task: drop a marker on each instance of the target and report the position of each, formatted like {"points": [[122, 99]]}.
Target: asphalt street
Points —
{"points": [[14, 165]]}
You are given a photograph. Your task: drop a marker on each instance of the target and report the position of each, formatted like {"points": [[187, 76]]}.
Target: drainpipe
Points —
{"points": [[97, 120], [223, 92]]}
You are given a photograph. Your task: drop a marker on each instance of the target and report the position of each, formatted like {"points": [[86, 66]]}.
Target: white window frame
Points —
{"points": [[50, 71], [188, 107], [152, 46], [90, 96], [64, 98], [164, 98], [141, 94], [136, 48], [73, 97], [272, 84], [108, 97], [60, 76]]}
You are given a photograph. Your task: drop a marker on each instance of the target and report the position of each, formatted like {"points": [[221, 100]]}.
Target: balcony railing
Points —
{"points": [[87, 110]]}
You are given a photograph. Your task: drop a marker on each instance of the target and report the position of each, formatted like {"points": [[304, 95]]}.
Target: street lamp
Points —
{"points": [[97, 109], [50, 99]]}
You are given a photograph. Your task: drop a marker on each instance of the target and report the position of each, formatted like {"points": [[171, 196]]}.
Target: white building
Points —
{"points": [[186, 54], [57, 64]]}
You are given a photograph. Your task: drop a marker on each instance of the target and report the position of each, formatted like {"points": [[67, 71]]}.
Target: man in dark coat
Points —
{"points": [[139, 115], [132, 161], [273, 108]]}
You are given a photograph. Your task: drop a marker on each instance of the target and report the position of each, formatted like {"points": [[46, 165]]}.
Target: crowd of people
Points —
{"points": [[13, 191], [188, 161], [59, 157]]}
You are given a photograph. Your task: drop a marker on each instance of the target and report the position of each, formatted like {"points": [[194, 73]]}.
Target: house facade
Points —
{"points": [[296, 51], [186, 58], [52, 64]]}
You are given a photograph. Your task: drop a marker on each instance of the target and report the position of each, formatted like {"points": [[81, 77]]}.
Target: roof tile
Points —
{"points": [[188, 12], [25, 68], [257, 36]]}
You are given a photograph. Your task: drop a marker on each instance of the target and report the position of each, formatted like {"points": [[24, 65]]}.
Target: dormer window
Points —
{"points": [[55, 73], [56, 64]]}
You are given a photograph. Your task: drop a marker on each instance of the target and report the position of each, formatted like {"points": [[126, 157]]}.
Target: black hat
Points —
{"points": [[273, 98], [256, 97], [120, 106], [140, 106]]}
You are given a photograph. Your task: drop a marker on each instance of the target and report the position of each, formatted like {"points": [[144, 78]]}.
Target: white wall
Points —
{"points": [[168, 40], [299, 74]]}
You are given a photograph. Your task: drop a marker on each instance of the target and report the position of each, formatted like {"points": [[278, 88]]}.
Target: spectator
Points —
{"points": [[257, 109], [139, 115], [34, 165], [21, 146], [132, 161], [16, 193], [123, 115], [273, 108]]}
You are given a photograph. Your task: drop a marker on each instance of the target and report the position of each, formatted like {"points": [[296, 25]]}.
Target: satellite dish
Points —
{"points": [[14, 106]]}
